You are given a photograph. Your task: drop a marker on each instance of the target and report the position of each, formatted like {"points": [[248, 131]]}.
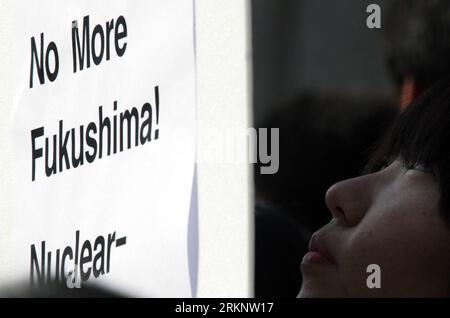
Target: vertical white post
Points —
{"points": [[225, 189]]}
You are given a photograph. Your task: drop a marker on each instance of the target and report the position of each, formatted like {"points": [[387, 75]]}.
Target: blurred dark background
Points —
{"points": [[333, 87], [315, 45], [320, 75]]}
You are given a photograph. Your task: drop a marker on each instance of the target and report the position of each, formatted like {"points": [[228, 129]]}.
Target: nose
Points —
{"points": [[349, 200]]}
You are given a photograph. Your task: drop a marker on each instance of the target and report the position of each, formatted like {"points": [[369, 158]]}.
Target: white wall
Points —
{"points": [[225, 189]]}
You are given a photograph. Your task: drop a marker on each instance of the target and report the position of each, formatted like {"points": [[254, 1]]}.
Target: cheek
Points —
{"points": [[377, 239], [361, 247], [409, 243]]}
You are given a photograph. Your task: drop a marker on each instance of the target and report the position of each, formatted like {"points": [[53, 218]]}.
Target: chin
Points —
{"points": [[310, 290], [307, 292]]}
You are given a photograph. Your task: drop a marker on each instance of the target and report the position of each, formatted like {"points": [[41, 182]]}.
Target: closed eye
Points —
{"points": [[422, 167]]}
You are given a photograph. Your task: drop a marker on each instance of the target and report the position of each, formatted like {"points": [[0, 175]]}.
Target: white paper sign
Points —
{"points": [[102, 136]]}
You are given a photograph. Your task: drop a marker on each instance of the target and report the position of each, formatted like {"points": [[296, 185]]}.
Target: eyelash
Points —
{"points": [[421, 167], [417, 166]]}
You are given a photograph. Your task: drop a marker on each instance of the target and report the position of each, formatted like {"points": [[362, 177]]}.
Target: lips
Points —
{"points": [[318, 253]]}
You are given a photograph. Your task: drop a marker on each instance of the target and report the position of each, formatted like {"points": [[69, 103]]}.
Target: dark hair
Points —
{"points": [[421, 135], [417, 34]]}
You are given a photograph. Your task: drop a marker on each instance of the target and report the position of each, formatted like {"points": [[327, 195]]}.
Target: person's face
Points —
{"points": [[389, 218]]}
